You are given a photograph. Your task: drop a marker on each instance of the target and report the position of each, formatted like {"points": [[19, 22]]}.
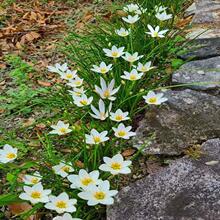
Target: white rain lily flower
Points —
{"points": [[100, 113], [61, 203], [63, 169], [102, 68], [114, 52], [58, 68], [69, 75], [61, 128], [35, 194], [133, 75], [106, 91], [131, 58], [163, 16], [66, 216], [8, 154], [123, 132], [84, 179], [82, 100], [145, 67], [131, 19], [77, 91], [122, 32], [100, 194], [77, 82], [160, 9], [116, 165], [134, 8], [32, 179], [95, 137], [154, 99], [119, 115], [155, 32]]}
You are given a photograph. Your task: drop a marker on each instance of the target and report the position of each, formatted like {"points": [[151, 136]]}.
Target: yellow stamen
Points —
{"points": [[84, 102], [103, 70], [36, 195], [118, 117], [152, 100], [78, 82], [11, 155], [66, 169], [155, 34], [69, 76], [99, 195], [86, 181], [116, 166], [34, 180], [97, 139], [133, 77], [63, 130], [61, 204], [121, 133], [114, 53], [106, 94]]}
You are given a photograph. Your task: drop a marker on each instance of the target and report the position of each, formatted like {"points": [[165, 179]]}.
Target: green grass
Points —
{"points": [[82, 51]]}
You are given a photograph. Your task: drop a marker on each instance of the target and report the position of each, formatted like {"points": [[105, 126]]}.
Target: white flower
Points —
{"points": [[82, 100], [35, 194], [159, 9], [101, 114], [61, 128], [100, 194], [102, 68], [32, 179], [123, 132], [119, 115], [58, 68], [145, 67], [61, 203], [131, 57], [95, 137], [68, 75], [84, 179], [155, 32], [133, 75], [66, 216], [131, 19], [116, 165], [163, 16], [77, 82], [131, 8], [134, 8], [154, 99], [8, 154], [77, 91], [106, 91], [63, 169], [122, 32], [114, 52]]}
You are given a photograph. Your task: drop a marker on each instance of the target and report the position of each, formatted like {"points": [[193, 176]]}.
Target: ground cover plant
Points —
{"points": [[114, 70]]}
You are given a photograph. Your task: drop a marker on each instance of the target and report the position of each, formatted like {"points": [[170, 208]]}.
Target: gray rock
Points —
{"points": [[190, 10], [207, 5], [186, 190], [202, 49], [201, 32], [187, 118], [201, 71]]}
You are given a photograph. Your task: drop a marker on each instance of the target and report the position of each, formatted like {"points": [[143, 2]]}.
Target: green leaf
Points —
{"points": [[7, 199], [176, 63]]}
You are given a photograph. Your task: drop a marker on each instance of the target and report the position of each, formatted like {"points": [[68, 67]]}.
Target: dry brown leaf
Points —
{"points": [[17, 208], [128, 152], [28, 122], [41, 126], [183, 22], [43, 83], [79, 164]]}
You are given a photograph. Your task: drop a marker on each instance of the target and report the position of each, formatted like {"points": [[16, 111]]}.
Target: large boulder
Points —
{"points": [[186, 190], [187, 118], [200, 74]]}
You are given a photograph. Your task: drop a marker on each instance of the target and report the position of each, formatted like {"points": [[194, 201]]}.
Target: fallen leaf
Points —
{"points": [[212, 162], [128, 152], [43, 83], [79, 164], [41, 126], [28, 122]]}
